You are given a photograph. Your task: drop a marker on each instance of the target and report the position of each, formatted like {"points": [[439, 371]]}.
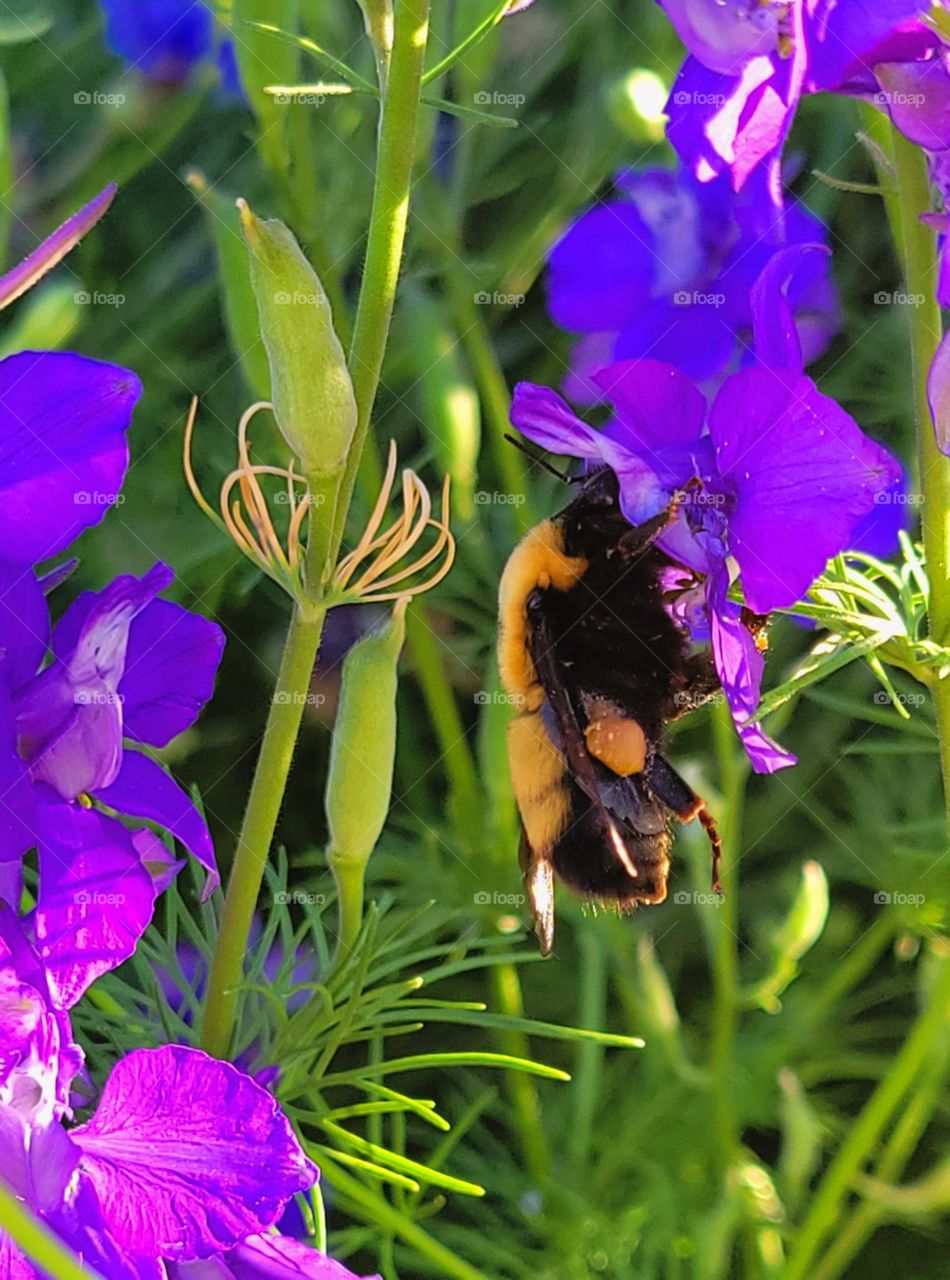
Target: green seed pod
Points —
{"points": [[234, 274], [310, 386], [364, 744]]}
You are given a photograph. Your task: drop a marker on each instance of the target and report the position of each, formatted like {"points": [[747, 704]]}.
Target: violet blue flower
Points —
{"points": [[665, 269], [166, 39], [786, 477], [126, 666], [734, 100], [185, 1157]]}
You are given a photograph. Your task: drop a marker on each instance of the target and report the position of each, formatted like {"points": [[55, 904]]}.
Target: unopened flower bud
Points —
{"points": [[361, 766], [364, 743], [310, 386]]}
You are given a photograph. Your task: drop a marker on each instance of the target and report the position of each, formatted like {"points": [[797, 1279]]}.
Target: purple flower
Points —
{"points": [[734, 100], [785, 478], [166, 39], [185, 1158], [125, 666], [665, 269]]}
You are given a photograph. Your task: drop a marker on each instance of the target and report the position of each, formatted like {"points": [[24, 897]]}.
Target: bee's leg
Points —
{"points": [[667, 785], [701, 683], [539, 883], [637, 539]]}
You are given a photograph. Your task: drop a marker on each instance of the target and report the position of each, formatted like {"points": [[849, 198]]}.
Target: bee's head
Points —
{"points": [[595, 507]]}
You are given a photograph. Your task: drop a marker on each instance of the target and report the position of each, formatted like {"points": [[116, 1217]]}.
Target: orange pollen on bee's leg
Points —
{"points": [[617, 741]]}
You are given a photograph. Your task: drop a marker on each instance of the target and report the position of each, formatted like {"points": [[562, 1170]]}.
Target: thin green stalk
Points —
{"points": [[852, 1235], [388, 1218], [725, 1013], [38, 1242], [492, 387], [917, 249], [467, 805], [350, 878], [588, 1073], [257, 828], [866, 1132], [521, 1089], [377, 296], [388, 222]]}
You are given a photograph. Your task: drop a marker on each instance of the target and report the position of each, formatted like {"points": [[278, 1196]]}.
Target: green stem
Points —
{"points": [[257, 828], [350, 878], [387, 1218], [388, 222], [377, 296], [917, 248], [853, 1234], [37, 1241], [492, 387], [725, 1014], [521, 1089], [467, 807], [586, 1087], [865, 1134]]}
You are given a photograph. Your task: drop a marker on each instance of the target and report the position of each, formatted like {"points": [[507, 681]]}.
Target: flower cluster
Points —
{"points": [[750, 62], [165, 40], [187, 1163], [773, 478], [702, 292], [665, 269]]}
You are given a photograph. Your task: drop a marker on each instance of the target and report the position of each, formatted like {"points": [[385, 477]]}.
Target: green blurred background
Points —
{"points": [[633, 1169]]}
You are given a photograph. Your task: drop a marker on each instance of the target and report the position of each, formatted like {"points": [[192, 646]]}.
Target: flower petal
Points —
{"points": [[170, 662], [600, 272], [721, 123], [540, 414], [803, 475], [740, 665], [689, 332], [13, 1263], [95, 900], [54, 248], [724, 36], [849, 36], [938, 392], [778, 343], [143, 789], [657, 405], [917, 96], [63, 453], [270, 1257], [24, 624], [170, 667], [17, 806], [187, 1155], [163, 41]]}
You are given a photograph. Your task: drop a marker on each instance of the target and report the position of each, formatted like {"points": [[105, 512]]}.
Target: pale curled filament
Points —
{"points": [[377, 553], [247, 519]]}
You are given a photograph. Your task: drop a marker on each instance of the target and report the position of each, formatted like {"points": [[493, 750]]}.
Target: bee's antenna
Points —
{"points": [[541, 462]]}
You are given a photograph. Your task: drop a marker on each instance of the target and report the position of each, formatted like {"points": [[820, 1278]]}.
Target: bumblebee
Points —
{"points": [[597, 666]]}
